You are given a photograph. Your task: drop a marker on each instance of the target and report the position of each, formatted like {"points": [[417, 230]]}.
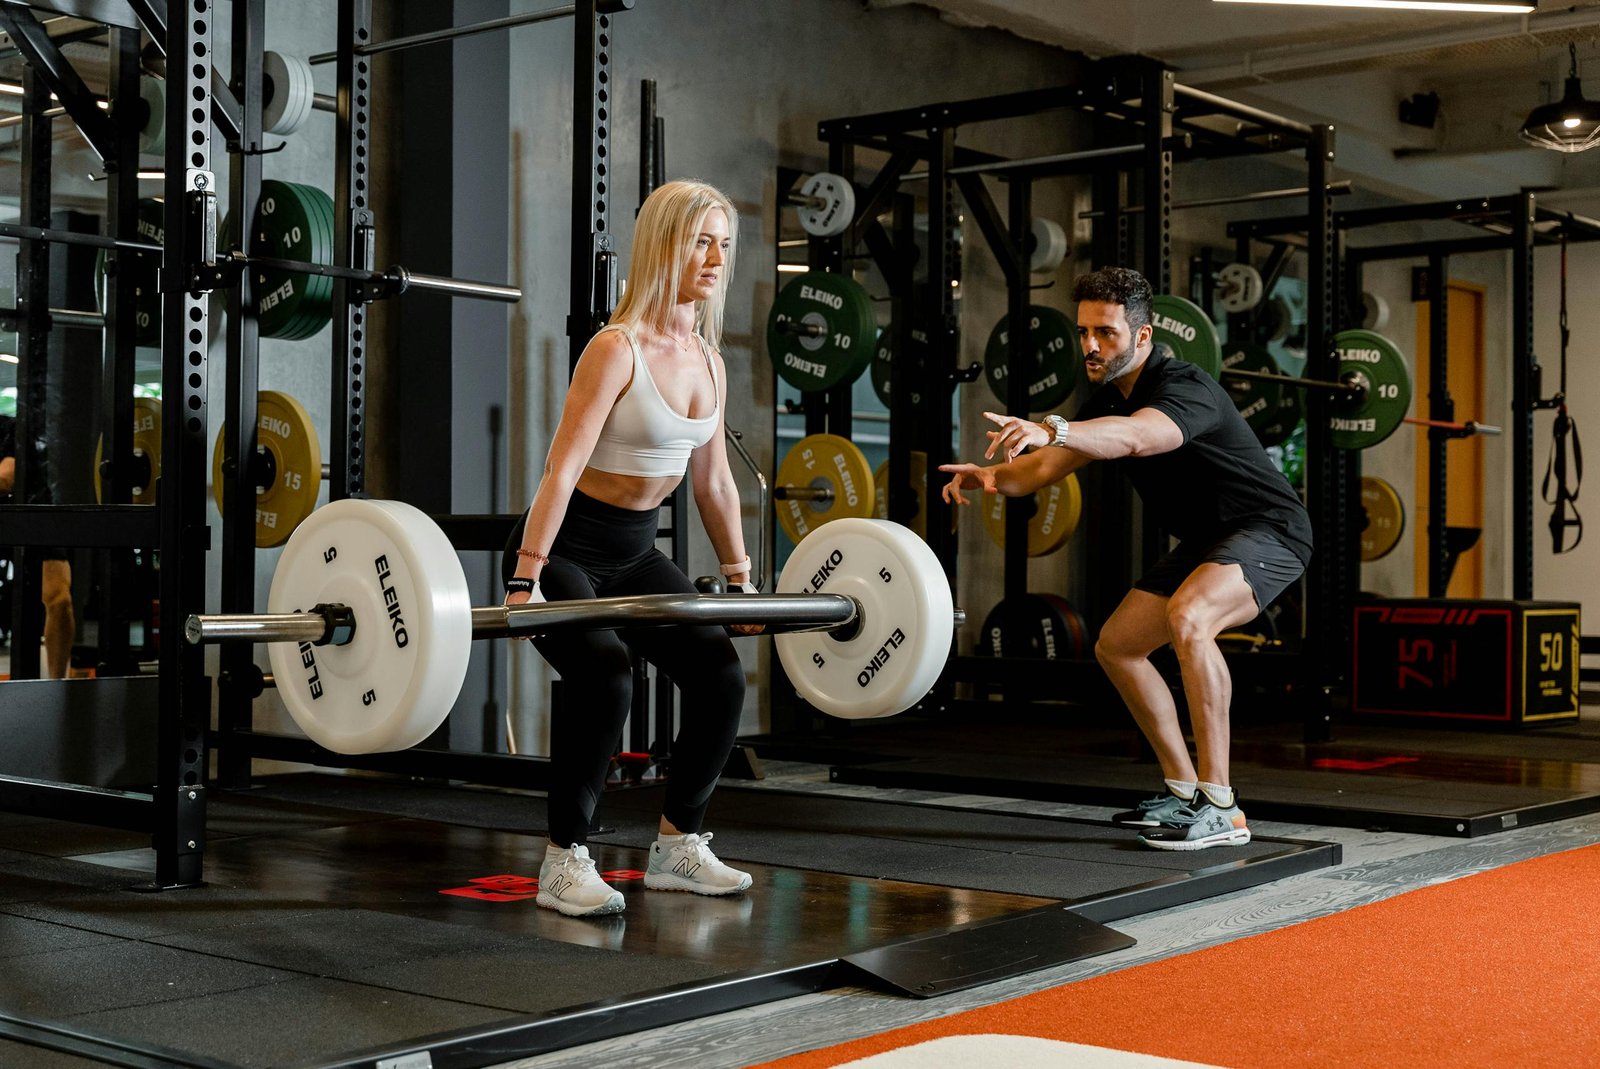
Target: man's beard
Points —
{"points": [[1120, 363]]}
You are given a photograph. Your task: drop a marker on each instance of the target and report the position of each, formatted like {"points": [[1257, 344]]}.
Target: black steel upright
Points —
{"points": [[117, 372], [354, 245], [1440, 407], [238, 680], [190, 210], [1524, 394], [594, 258], [1330, 473], [33, 353]]}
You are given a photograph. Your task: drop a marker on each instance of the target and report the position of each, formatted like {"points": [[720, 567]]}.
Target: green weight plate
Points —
{"points": [[141, 269], [292, 222], [821, 331], [1188, 332], [1258, 402], [1375, 362], [1055, 340], [883, 358]]}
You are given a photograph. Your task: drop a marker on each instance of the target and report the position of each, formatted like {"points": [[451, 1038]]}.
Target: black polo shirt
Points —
{"points": [[1220, 479]]}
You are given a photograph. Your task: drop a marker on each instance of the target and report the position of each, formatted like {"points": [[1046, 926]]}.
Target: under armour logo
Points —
{"points": [[687, 868], [1216, 824]]}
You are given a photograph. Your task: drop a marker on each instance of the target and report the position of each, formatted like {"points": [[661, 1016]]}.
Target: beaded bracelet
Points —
{"points": [[534, 555]]}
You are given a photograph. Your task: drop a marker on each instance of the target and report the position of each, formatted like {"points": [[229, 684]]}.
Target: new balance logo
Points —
{"points": [[686, 868], [558, 885]]}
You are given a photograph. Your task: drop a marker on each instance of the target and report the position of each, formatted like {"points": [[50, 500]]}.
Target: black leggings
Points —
{"points": [[604, 551]]}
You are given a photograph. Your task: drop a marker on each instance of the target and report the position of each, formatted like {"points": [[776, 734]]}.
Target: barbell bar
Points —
{"points": [[333, 625], [369, 622]]}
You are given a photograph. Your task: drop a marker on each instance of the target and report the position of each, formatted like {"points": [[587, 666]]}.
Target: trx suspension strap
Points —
{"points": [[1565, 511]]}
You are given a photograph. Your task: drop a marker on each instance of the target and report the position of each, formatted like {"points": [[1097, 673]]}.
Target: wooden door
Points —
{"points": [[1464, 503]]}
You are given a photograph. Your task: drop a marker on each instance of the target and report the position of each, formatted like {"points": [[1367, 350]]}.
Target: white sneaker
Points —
{"points": [[688, 864], [569, 883]]}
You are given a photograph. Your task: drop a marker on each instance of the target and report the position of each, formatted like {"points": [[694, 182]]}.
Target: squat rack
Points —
{"points": [[1513, 222], [200, 104], [1169, 123]]}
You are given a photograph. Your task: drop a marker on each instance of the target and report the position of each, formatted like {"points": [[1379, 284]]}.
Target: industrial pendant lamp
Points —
{"points": [[1571, 124]]}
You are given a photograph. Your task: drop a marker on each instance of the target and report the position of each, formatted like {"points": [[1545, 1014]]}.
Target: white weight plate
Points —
{"points": [[153, 135], [1239, 287], [907, 619], [1374, 311], [395, 682], [1049, 246], [833, 217], [291, 92]]}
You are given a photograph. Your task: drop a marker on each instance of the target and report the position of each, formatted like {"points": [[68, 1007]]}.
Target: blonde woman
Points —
{"points": [[645, 405]]}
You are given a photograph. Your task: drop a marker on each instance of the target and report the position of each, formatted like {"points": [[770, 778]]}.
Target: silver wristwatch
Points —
{"points": [[1058, 428]]}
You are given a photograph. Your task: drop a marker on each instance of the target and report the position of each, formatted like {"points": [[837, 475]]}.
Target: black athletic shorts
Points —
{"points": [[1268, 562]]}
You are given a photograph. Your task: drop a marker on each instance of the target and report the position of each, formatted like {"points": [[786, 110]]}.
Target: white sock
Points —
{"points": [[1183, 788], [668, 840], [1220, 796], [551, 849]]}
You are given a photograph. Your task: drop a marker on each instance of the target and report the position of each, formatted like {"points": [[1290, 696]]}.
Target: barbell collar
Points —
{"points": [[802, 328]]}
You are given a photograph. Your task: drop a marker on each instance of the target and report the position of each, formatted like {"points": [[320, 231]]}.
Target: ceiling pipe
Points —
{"points": [[1286, 65]]}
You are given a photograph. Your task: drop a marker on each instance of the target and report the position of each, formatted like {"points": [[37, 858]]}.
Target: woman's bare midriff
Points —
{"points": [[627, 491]]}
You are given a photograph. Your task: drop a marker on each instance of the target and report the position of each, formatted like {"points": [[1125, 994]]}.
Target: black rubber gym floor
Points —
{"points": [[349, 919], [1433, 781]]}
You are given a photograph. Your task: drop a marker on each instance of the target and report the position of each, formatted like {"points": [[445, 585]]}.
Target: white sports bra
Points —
{"points": [[642, 435]]}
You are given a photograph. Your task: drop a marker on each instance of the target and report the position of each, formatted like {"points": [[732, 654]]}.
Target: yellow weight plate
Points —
{"points": [[290, 467], [919, 483], [146, 451], [833, 465], [1055, 517], [1386, 518]]}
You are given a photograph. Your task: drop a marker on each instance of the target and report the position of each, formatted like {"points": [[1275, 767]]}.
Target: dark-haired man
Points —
{"points": [[55, 573], [1243, 537]]}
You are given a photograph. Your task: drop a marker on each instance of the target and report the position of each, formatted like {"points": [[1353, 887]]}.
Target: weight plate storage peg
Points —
{"points": [[1372, 362], [1188, 332], [828, 204], [293, 222], [911, 369], [395, 681], [1054, 342], [1056, 509], [821, 331], [146, 472], [836, 478], [288, 467], [1386, 518], [901, 641], [139, 270]]}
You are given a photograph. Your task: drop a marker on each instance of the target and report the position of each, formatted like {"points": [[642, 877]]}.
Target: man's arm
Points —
{"points": [[1146, 433]]}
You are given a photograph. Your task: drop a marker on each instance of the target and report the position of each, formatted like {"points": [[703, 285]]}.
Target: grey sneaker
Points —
{"points": [[1197, 826], [569, 883], [1152, 811], [689, 865]]}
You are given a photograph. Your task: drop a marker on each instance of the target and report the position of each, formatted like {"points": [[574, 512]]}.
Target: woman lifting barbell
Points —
{"points": [[644, 406]]}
